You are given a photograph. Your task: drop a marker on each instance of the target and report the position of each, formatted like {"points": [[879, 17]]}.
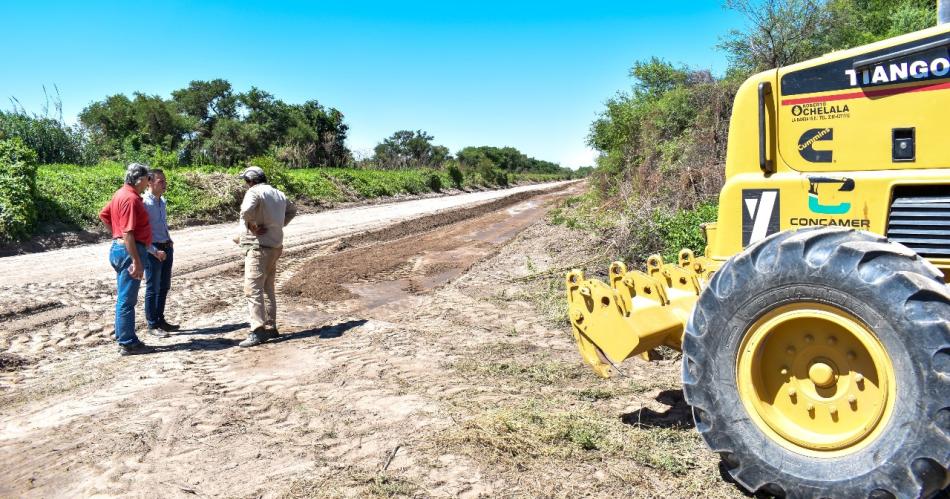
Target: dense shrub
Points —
{"points": [[275, 170], [682, 229], [456, 175], [501, 179], [434, 182], [17, 190], [51, 140]]}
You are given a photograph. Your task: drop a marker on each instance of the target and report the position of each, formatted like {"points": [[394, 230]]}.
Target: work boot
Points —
{"points": [[270, 334], [157, 332], [136, 348], [255, 338], [165, 326]]}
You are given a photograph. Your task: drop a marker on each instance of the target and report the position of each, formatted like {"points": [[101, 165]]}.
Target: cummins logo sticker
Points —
{"points": [[806, 145], [760, 214]]}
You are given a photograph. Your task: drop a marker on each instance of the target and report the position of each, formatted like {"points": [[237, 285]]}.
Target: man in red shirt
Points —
{"points": [[131, 239]]}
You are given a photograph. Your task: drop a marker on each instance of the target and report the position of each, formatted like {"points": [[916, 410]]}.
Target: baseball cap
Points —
{"points": [[252, 173]]}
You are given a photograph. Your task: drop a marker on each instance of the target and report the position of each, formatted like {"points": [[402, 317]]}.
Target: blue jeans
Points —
{"points": [[158, 280], [127, 292]]}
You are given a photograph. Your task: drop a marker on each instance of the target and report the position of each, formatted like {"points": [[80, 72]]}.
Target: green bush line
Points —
{"points": [[72, 195]]}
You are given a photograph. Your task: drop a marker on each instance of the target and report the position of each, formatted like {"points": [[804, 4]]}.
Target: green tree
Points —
{"points": [[407, 149], [158, 122], [118, 123], [110, 122], [227, 144], [316, 136], [779, 33], [185, 127], [207, 101]]}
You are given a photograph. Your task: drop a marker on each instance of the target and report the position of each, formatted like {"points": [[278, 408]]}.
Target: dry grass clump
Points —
{"points": [[545, 372], [352, 482], [533, 433]]}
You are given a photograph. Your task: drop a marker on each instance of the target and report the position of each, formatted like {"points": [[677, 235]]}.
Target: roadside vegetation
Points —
{"points": [[55, 177], [662, 143], [70, 196]]}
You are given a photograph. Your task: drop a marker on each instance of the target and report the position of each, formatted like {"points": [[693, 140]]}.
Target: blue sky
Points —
{"points": [[531, 75]]}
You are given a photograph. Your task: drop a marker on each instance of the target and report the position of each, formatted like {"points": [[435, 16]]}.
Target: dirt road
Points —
{"points": [[421, 359]]}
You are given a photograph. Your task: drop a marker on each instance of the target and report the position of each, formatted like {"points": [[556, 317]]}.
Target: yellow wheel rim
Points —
{"points": [[815, 379]]}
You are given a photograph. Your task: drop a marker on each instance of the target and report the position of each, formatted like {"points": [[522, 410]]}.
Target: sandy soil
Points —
{"points": [[426, 362]]}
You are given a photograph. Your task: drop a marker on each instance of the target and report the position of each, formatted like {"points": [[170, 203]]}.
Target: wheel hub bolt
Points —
{"points": [[851, 356], [809, 338], [784, 371], [790, 350], [833, 411], [792, 392], [859, 378], [832, 340], [821, 374]]}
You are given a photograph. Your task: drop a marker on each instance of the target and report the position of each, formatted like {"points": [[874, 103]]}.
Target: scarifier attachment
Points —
{"points": [[637, 311]]}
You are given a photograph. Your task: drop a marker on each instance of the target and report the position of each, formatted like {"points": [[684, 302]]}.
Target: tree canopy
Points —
{"points": [[408, 149], [207, 122]]}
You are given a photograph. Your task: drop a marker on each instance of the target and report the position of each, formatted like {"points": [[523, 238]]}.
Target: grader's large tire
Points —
{"points": [[818, 365]]}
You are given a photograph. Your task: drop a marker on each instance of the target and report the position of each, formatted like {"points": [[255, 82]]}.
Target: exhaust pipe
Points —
{"points": [[943, 11]]}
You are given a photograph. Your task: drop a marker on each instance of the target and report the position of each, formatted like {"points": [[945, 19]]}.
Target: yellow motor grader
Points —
{"points": [[815, 329]]}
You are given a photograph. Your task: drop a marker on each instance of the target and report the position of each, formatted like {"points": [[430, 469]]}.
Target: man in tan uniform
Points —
{"points": [[264, 213]]}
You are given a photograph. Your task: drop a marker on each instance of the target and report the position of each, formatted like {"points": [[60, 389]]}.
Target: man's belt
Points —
{"points": [[120, 240]]}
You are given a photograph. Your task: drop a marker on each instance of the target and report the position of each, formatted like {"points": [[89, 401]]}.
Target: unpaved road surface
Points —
{"points": [[422, 359], [209, 244]]}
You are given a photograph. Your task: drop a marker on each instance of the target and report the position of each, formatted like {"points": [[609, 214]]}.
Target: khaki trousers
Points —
{"points": [[260, 271]]}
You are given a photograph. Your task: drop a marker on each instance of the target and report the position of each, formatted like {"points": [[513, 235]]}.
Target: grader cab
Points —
{"points": [[815, 330]]}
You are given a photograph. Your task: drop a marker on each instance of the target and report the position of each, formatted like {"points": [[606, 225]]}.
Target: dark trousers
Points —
{"points": [[158, 280]]}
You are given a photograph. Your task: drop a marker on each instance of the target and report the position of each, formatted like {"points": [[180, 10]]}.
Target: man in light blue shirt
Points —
{"points": [[158, 273]]}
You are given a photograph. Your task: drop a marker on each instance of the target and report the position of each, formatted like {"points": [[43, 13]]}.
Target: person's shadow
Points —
{"points": [[211, 344], [222, 329], [324, 332]]}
